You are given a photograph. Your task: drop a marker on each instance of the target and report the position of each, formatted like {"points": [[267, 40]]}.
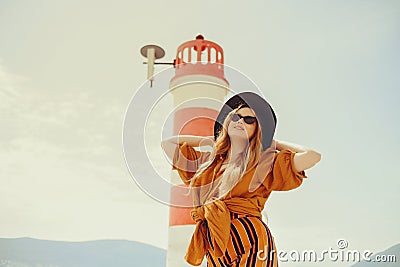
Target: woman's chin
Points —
{"points": [[239, 136]]}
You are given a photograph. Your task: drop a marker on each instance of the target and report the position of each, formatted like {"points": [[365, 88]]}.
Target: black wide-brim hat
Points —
{"points": [[265, 114]]}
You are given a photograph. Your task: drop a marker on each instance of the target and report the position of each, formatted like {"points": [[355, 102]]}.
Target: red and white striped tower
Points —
{"points": [[198, 87]]}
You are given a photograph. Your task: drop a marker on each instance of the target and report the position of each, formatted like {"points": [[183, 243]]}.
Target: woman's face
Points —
{"points": [[241, 128]]}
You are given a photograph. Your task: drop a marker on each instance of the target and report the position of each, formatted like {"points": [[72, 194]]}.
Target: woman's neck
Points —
{"points": [[238, 146]]}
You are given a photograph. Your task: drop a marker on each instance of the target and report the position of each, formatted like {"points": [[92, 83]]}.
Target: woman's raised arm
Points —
{"points": [[169, 145], [304, 158]]}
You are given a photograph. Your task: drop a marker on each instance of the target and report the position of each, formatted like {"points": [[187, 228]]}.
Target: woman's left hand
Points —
{"points": [[274, 144]]}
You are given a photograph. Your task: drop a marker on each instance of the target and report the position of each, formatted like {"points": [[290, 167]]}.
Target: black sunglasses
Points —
{"points": [[247, 119]]}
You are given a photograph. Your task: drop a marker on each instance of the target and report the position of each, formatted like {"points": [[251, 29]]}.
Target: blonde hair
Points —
{"points": [[235, 170]]}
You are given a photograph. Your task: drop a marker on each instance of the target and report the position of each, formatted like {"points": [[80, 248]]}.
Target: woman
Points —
{"points": [[231, 184]]}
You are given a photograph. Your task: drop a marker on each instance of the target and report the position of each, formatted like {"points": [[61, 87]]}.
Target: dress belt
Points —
{"points": [[216, 216]]}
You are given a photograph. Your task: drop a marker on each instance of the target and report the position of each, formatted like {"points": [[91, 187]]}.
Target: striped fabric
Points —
{"points": [[248, 235]]}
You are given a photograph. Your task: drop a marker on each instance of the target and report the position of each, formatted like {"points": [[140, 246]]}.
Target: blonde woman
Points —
{"points": [[231, 184]]}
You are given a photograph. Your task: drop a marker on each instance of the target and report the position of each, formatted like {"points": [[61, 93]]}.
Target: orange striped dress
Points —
{"points": [[250, 241], [250, 244]]}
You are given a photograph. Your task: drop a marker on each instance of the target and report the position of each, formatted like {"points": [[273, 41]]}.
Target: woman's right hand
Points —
{"points": [[207, 141]]}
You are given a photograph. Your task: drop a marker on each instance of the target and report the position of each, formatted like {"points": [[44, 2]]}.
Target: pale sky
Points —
{"points": [[69, 69]]}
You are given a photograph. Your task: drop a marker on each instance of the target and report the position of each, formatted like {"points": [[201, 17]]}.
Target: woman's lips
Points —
{"points": [[238, 127]]}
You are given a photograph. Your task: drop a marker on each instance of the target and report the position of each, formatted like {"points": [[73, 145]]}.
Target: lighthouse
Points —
{"points": [[198, 87]]}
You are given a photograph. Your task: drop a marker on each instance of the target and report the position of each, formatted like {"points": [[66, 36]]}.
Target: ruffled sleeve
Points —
{"points": [[187, 161], [284, 175]]}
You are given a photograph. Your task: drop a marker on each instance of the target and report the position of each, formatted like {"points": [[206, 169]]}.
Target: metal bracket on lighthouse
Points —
{"points": [[153, 52]]}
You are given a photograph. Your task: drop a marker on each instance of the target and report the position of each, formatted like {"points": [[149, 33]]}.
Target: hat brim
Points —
{"points": [[265, 114]]}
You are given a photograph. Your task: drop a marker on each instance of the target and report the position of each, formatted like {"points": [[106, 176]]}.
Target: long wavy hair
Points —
{"points": [[234, 170]]}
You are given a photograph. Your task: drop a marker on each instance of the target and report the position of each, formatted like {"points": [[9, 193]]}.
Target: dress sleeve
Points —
{"points": [[187, 161], [284, 175]]}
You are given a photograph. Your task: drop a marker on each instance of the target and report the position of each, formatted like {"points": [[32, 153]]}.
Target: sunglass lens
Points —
{"points": [[249, 120]]}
